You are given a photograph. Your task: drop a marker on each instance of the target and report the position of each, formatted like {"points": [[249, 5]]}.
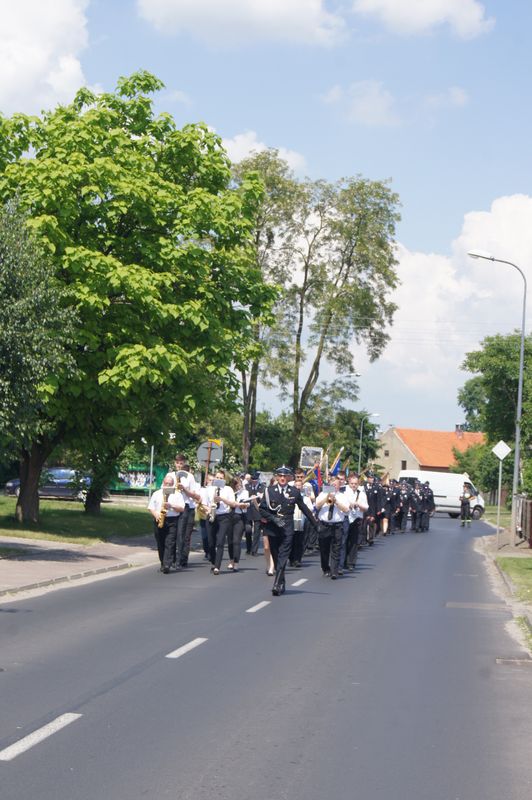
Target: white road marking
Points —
{"points": [[37, 736], [186, 648], [300, 582], [258, 607]]}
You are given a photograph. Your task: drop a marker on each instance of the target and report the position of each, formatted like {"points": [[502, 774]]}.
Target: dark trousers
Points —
{"points": [[330, 541], [234, 537], [280, 544], [204, 536], [166, 539], [343, 547], [298, 542], [402, 519], [255, 536], [184, 535], [465, 511], [424, 518], [353, 540], [217, 532], [311, 536]]}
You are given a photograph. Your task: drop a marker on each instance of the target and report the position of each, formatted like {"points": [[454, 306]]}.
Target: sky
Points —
{"points": [[432, 94]]}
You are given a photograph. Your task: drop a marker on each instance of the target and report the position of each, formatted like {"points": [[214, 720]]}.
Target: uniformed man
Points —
{"points": [[375, 506], [415, 508], [427, 506], [403, 506], [277, 514], [256, 490]]}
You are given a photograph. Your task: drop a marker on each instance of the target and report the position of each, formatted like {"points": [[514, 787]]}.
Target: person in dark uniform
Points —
{"points": [[415, 508], [428, 506], [403, 507], [256, 490], [277, 515], [465, 505], [396, 491], [375, 507]]}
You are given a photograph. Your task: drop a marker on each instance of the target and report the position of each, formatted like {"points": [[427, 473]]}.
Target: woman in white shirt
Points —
{"points": [[236, 532], [223, 499]]}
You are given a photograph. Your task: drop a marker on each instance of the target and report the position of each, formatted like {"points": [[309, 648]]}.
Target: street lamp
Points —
{"points": [[515, 484], [366, 416]]}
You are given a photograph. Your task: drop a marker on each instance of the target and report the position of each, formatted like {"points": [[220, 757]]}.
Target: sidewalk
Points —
{"points": [[35, 564]]}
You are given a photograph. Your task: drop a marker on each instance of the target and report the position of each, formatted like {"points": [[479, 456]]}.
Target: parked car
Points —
{"points": [[58, 482]]}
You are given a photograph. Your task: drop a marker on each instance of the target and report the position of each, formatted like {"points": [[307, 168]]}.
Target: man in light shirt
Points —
{"points": [[190, 491], [358, 503], [332, 507], [169, 506]]}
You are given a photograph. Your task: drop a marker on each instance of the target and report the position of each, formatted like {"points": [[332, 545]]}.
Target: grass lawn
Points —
{"points": [[490, 515], [66, 521], [519, 571]]}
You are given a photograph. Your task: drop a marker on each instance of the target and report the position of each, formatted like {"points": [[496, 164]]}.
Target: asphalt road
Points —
{"points": [[384, 685]]}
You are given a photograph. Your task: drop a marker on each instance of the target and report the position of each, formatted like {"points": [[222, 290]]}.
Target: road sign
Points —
{"points": [[501, 450], [210, 452]]}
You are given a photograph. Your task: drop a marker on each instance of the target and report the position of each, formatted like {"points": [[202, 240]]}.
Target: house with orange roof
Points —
{"points": [[411, 448]]}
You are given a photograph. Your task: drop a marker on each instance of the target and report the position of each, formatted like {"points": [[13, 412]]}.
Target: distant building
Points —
{"points": [[410, 448]]}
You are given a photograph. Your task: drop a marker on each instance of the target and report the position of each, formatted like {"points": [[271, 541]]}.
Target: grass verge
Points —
{"points": [[66, 521], [490, 515], [519, 570]]}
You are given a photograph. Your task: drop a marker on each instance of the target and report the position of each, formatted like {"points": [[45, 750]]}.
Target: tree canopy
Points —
{"points": [[152, 243]]}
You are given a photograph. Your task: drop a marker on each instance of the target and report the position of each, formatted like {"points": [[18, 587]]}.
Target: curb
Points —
{"points": [[67, 578]]}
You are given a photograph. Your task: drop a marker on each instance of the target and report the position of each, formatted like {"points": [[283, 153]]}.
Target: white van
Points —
{"points": [[447, 488]]}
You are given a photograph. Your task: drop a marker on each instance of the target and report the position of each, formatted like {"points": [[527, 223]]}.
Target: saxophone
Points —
{"points": [[212, 508], [167, 491]]}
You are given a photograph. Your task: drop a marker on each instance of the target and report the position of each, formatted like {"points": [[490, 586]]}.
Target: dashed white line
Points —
{"points": [[258, 607], [37, 736], [186, 648], [300, 582]]}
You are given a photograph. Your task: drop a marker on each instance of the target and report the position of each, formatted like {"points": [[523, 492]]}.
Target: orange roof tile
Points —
{"points": [[435, 448]]}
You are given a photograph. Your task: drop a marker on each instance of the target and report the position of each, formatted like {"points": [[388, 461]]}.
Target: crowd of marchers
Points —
{"points": [[291, 515]]}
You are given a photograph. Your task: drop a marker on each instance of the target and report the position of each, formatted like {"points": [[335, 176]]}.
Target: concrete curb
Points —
{"points": [[67, 578]]}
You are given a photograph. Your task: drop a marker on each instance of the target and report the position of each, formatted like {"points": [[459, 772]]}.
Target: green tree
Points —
{"points": [[491, 395], [35, 330], [153, 246], [330, 247]]}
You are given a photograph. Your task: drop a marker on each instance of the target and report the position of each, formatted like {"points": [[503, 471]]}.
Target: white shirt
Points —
{"points": [[174, 499], [340, 507], [242, 496], [226, 493], [357, 496], [298, 514], [189, 483]]}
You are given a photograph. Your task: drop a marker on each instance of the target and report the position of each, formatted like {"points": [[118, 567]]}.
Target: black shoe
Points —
{"points": [[340, 572], [278, 589], [166, 570], [183, 564], [326, 573]]}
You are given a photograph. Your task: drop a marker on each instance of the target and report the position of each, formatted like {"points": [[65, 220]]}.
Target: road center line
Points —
{"points": [[186, 648], [300, 582], [37, 736], [258, 607]]}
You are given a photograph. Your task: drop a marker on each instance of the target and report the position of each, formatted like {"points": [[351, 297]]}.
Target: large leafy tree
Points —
{"points": [[152, 243], [330, 247], [35, 331], [490, 397]]}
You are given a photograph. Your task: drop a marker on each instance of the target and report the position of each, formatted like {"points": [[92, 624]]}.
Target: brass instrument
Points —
{"points": [[167, 491]]}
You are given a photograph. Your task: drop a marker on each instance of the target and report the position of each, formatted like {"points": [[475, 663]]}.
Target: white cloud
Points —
{"points": [[454, 97], [243, 144], [447, 305], [178, 96], [368, 103], [465, 17], [40, 44], [245, 20]]}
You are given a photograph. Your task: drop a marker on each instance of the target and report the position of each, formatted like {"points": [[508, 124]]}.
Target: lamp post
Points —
{"points": [[366, 416], [515, 483]]}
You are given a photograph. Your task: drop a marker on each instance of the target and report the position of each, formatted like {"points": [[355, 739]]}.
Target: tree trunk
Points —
{"points": [[249, 397], [102, 472], [93, 500], [31, 464]]}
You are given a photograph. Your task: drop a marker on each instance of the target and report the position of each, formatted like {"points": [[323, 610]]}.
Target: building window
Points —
{"points": [[403, 464], [386, 452]]}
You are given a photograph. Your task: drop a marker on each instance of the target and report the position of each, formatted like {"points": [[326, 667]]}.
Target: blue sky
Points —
{"points": [[434, 94]]}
